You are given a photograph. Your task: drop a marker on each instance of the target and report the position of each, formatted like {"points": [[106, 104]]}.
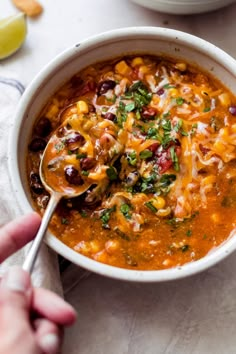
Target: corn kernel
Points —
{"points": [[100, 256], [225, 99], [233, 128], [215, 218], [95, 246], [158, 202], [87, 125], [208, 180], [122, 68], [173, 92], [82, 107], [83, 247], [112, 246], [224, 132], [144, 69], [181, 66], [163, 212], [137, 62], [219, 146], [52, 112]]}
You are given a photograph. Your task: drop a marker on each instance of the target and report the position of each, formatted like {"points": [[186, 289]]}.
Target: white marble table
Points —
{"points": [[196, 315]]}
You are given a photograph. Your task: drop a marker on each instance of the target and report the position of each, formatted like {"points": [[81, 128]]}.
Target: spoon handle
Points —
{"points": [[34, 249]]}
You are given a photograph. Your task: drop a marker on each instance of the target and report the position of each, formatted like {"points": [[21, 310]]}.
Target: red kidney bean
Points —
{"points": [[72, 176], [36, 184], [87, 163], [37, 144], [203, 149], [110, 116], [43, 127], [232, 110], [75, 138], [104, 86], [160, 92], [148, 113]]}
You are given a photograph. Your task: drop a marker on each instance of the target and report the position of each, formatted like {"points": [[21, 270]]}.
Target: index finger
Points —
{"points": [[17, 234]]}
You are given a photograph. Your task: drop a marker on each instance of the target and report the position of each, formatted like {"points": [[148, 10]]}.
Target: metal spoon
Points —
{"points": [[58, 188]]}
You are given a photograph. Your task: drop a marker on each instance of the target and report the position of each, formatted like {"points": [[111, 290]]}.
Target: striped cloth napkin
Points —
{"points": [[46, 272]]}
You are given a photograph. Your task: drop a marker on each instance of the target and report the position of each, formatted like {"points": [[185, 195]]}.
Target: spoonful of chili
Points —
{"points": [[73, 161]]}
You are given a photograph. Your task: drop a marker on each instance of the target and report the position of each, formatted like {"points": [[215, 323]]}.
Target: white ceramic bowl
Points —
{"points": [[184, 7], [108, 45]]}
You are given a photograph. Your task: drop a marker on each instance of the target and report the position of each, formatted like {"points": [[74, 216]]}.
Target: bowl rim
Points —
{"points": [[178, 37]]}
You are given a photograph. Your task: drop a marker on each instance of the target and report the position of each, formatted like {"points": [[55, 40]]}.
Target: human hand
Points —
{"points": [[31, 319]]}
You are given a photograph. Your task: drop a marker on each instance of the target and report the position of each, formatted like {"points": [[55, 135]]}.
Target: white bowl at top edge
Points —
{"points": [[151, 40], [184, 7]]}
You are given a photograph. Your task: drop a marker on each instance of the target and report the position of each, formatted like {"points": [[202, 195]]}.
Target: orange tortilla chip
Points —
{"points": [[29, 7]]}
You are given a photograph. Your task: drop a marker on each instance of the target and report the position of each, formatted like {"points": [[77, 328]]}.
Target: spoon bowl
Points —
{"points": [[59, 179]]}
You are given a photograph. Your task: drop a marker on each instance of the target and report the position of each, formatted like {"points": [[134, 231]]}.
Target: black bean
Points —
{"points": [[104, 86], [72, 176], [74, 138], [232, 110], [37, 144], [43, 127], [36, 184], [87, 163], [110, 116]]}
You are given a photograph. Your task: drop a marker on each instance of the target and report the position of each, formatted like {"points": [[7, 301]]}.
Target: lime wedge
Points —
{"points": [[13, 31]]}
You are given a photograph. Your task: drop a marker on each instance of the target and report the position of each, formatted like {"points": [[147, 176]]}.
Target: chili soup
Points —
{"points": [[156, 140]]}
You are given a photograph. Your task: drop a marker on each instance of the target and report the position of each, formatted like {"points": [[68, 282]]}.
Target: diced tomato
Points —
{"points": [[153, 148], [164, 161]]}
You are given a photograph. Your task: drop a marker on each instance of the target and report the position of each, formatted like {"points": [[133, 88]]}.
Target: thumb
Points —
{"points": [[15, 295]]}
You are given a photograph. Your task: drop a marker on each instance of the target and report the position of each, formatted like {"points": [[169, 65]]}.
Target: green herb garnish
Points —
{"points": [[125, 210], [150, 206], [111, 173], [145, 154]]}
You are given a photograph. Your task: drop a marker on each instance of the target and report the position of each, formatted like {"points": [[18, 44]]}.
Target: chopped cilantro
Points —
{"points": [[189, 233], [83, 213], [130, 107], [150, 206], [105, 216], [132, 158], [152, 133], [125, 210], [168, 86], [85, 173], [145, 154], [64, 221], [80, 156], [174, 158], [179, 101], [111, 173], [207, 109], [59, 146]]}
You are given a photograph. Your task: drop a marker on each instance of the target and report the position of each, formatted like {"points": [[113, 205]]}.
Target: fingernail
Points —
{"points": [[16, 279], [50, 343]]}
